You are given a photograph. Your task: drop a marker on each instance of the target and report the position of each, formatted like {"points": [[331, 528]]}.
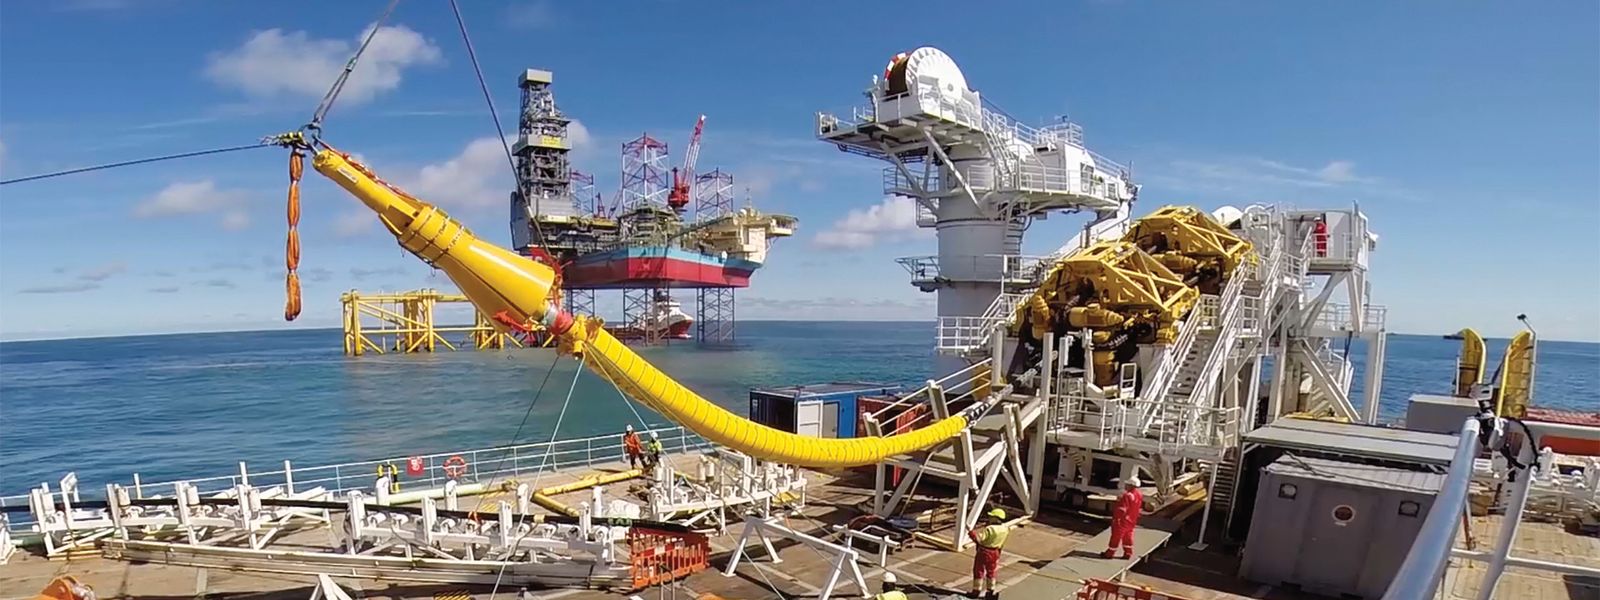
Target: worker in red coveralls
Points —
{"points": [[1124, 517], [990, 536], [630, 446], [1319, 236]]}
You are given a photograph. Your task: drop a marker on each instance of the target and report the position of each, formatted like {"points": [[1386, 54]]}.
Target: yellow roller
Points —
{"points": [[1469, 366], [497, 280]]}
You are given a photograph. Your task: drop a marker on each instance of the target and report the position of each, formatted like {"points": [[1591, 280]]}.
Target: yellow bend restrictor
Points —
{"points": [[496, 280]]}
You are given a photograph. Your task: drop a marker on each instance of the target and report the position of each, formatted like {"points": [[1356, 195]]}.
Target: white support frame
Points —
{"points": [[977, 468], [7, 547], [64, 527], [884, 544], [328, 590], [724, 489], [845, 559]]}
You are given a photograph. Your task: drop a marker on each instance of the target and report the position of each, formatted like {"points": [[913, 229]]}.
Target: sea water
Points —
{"points": [[194, 405]]}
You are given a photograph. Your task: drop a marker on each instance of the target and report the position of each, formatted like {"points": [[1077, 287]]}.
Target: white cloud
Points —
{"points": [[274, 63], [1339, 171], [477, 178], [578, 136], [197, 197], [894, 219]]}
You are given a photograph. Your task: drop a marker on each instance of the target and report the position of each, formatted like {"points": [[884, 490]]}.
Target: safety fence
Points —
{"points": [[658, 557], [409, 473]]}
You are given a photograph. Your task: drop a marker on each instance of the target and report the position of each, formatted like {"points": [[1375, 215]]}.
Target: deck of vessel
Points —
{"points": [[833, 498]]}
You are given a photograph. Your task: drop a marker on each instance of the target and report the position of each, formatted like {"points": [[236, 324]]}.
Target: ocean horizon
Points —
{"points": [[335, 327], [180, 405]]}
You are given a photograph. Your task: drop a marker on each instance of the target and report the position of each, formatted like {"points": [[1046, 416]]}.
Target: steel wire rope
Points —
{"points": [[349, 67], [494, 474], [500, 132], [549, 449], [261, 144]]}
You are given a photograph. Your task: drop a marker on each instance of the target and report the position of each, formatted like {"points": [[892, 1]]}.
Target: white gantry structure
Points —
{"points": [[1165, 397]]}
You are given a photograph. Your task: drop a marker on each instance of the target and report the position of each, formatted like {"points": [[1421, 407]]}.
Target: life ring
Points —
{"points": [[455, 467]]}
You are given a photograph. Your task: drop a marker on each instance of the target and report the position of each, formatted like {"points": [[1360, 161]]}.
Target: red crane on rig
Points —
{"points": [[683, 178]]}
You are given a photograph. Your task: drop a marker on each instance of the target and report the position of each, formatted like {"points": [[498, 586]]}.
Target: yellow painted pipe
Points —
{"points": [[591, 481], [497, 280], [543, 497]]}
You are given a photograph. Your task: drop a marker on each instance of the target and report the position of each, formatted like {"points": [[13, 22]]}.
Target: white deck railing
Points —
{"points": [[482, 465], [963, 333], [1338, 317]]}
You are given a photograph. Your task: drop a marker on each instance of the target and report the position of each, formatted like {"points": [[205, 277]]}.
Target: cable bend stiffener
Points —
{"points": [[497, 280]]}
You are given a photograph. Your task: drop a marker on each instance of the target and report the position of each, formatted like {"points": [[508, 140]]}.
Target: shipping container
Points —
{"points": [[818, 410], [1335, 528]]}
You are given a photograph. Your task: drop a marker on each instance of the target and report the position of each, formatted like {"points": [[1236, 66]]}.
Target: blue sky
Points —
{"points": [[1468, 131]]}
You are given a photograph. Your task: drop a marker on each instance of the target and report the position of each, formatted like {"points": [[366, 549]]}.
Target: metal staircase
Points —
{"points": [[1000, 134], [1225, 481], [1178, 400]]}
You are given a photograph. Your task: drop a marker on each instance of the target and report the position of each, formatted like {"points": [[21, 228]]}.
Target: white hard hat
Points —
{"points": [[655, 436], [630, 428], [890, 578], [1134, 481]]}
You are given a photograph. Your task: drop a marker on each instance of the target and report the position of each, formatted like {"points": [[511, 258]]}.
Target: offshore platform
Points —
{"points": [[668, 228]]}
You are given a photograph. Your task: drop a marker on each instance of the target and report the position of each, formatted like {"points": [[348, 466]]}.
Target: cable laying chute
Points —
{"points": [[498, 280]]}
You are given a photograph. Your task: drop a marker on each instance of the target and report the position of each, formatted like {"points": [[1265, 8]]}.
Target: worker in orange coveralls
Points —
{"points": [[990, 535], [630, 445], [1124, 517], [1319, 234]]}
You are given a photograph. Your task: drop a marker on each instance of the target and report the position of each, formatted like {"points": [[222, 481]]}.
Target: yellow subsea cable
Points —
{"points": [[498, 280]]}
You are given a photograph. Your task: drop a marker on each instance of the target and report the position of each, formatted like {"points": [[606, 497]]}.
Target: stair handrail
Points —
{"points": [[1230, 321], [995, 128], [1156, 386], [1227, 314], [958, 380]]}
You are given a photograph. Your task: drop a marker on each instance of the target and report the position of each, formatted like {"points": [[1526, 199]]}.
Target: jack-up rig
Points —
{"points": [[656, 236]]}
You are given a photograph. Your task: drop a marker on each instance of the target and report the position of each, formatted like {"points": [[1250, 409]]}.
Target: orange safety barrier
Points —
{"points": [[659, 557], [1100, 589], [65, 587]]}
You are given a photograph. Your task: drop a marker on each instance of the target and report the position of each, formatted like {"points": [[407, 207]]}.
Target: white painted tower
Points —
{"points": [[978, 178]]}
